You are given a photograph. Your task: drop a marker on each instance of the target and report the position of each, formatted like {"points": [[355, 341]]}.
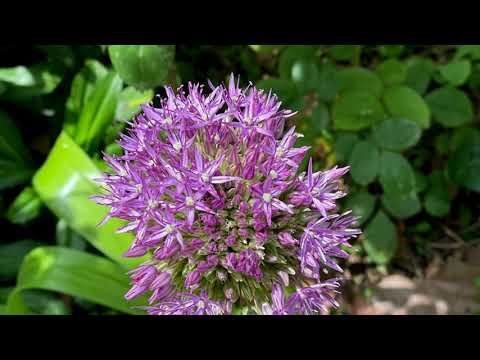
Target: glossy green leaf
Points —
{"points": [[284, 89], [361, 80], [344, 144], [41, 302], [98, 112], [356, 110], [456, 73], [471, 51], [364, 162], [129, 102], [26, 207], [392, 72], [421, 182], [450, 106], [267, 48], [396, 174], [402, 206], [344, 52], [396, 134], [381, 239], [305, 75], [11, 257], [437, 203], [67, 196], [362, 205], [66, 237], [142, 66], [71, 272], [389, 51], [464, 164], [320, 118], [328, 82], [419, 74], [18, 75], [290, 55], [401, 101]]}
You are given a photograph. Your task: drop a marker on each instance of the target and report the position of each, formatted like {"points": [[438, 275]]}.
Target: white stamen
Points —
{"points": [[205, 177], [168, 120], [273, 174], [177, 146], [267, 197], [189, 201]]}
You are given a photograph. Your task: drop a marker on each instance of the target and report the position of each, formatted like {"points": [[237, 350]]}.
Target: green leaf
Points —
{"points": [[402, 206], [66, 237], [25, 83], [129, 102], [436, 203], [464, 165], [71, 272], [364, 162], [344, 144], [11, 257], [362, 205], [392, 72], [284, 89], [355, 110], [381, 239], [396, 174], [450, 106], [391, 50], [142, 66], [42, 302], [266, 48], [421, 182], [98, 112], [290, 55], [419, 74], [456, 73], [320, 117], [15, 163], [344, 52], [18, 75], [404, 102], [361, 80], [67, 196], [305, 75], [396, 134], [472, 51], [26, 207], [328, 82]]}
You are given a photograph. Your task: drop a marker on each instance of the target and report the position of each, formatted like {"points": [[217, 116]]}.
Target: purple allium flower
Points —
{"points": [[210, 186]]}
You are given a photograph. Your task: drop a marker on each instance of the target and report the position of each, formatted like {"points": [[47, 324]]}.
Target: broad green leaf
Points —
{"points": [[442, 143], [67, 196], [437, 203], [389, 51], [472, 51], [396, 174], [66, 237], [419, 74], [362, 205], [464, 164], [11, 257], [98, 112], [26, 207], [361, 80], [421, 182], [71, 272], [305, 75], [328, 82], [290, 55], [364, 162], [267, 48], [129, 102], [142, 66], [396, 134], [41, 302], [473, 81], [392, 72], [450, 107], [344, 52], [401, 101], [284, 89], [381, 239], [356, 110], [25, 83], [320, 118], [344, 144], [456, 73], [464, 134], [402, 206], [18, 75]]}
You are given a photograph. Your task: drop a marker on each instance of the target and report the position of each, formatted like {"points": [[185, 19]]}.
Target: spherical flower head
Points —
{"points": [[209, 184]]}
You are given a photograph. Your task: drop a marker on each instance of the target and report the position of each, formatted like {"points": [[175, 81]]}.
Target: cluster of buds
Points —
{"points": [[209, 184]]}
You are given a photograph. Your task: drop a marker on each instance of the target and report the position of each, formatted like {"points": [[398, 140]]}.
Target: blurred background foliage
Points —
{"points": [[404, 117]]}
